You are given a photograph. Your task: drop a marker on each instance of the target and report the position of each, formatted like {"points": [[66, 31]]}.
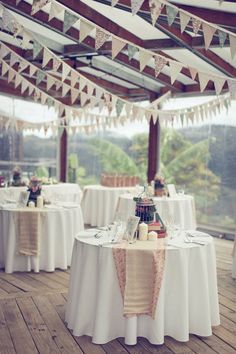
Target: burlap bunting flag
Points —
{"points": [[160, 62], [101, 38]]}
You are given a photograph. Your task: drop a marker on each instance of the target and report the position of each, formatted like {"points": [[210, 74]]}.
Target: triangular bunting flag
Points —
{"points": [[148, 115], [18, 80], [160, 62], [39, 77], [10, 23], [58, 85], [55, 10], [117, 45], [222, 37], [84, 30], [11, 75], [219, 83], [65, 71], [90, 89], [114, 2], [82, 83], [13, 59], [47, 56], [196, 25], [31, 89], [69, 20], [74, 95], [99, 92], [43, 97], [65, 90], [144, 57], [193, 72], [36, 49], [50, 82], [32, 70], [24, 86], [208, 32], [22, 66], [83, 98], [5, 68], [154, 117], [132, 50], [101, 38], [26, 38], [171, 14], [155, 10], [56, 63], [128, 108], [38, 5], [4, 51], [184, 20], [232, 42], [175, 68], [74, 78], [232, 88], [203, 81], [135, 6]]}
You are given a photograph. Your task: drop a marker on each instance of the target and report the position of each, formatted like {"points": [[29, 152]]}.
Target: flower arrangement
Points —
{"points": [[34, 188], [159, 186], [16, 177]]}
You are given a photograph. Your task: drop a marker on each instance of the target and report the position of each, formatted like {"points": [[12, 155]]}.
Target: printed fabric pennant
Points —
{"points": [[5, 68], [84, 30], [232, 43], [135, 6], [10, 23], [18, 80], [25, 40], [4, 51], [117, 46], [160, 62], [203, 80], [13, 59], [232, 88], [208, 33], [222, 37], [65, 71], [128, 108], [74, 95], [38, 5], [101, 38], [155, 10], [22, 66], [32, 70], [43, 98], [11, 75], [144, 57], [119, 106], [184, 20], [50, 82], [196, 25], [82, 83], [37, 47], [24, 85], [193, 73], [40, 77], [65, 90], [132, 50], [55, 10], [171, 14], [175, 69], [47, 56], [83, 98], [219, 83], [56, 63], [74, 78], [69, 20]]}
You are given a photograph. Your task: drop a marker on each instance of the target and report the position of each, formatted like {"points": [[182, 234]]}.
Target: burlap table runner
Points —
{"points": [[140, 269]]}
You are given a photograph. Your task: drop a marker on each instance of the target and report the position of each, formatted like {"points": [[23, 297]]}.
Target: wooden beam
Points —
{"points": [[63, 156]]}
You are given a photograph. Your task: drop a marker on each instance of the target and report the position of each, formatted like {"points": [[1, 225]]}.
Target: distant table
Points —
{"points": [[58, 229], [181, 209], [187, 303], [69, 192], [99, 203]]}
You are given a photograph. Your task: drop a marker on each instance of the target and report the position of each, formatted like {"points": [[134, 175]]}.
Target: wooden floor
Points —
{"points": [[32, 310]]}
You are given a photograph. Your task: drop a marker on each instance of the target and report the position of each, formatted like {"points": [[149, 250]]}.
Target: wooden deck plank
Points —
{"points": [[7, 287], [50, 283], [114, 346], [20, 335], [6, 345], [154, 349], [17, 282], [88, 347]]}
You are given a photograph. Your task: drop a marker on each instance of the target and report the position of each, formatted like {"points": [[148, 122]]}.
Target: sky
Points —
{"points": [[36, 112]]}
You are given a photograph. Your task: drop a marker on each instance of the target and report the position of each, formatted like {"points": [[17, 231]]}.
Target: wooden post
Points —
{"points": [[63, 156], [153, 149]]}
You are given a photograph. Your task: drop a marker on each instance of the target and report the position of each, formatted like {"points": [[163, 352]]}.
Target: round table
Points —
{"points": [[58, 227], [69, 192], [187, 302], [180, 209], [99, 203]]}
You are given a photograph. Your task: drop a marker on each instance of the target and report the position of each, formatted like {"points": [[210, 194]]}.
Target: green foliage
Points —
{"points": [[139, 152], [42, 172]]}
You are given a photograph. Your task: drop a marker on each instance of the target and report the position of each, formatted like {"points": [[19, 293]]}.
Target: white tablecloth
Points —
{"points": [[99, 204], [58, 229], [69, 192], [188, 299], [181, 209], [234, 259]]}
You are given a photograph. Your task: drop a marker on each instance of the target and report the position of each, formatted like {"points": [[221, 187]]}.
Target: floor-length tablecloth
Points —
{"points": [[234, 259], [58, 229], [180, 209], [187, 303], [99, 204]]}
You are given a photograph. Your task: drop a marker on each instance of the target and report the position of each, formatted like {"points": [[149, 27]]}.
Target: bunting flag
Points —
{"points": [[219, 83], [232, 88], [4, 51], [114, 2], [40, 77], [22, 66], [196, 24], [43, 98], [132, 50], [155, 10], [208, 33], [74, 78], [65, 71], [37, 47], [65, 90], [175, 69], [193, 73], [160, 62], [148, 115], [144, 57], [203, 80], [11, 75], [13, 59], [119, 106], [55, 10], [32, 70], [128, 109], [83, 98], [18, 80], [222, 37], [46, 57], [56, 63], [90, 89], [5, 68], [232, 41], [24, 85], [74, 95], [82, 83], [58, 85], [84, 30], [10, 23], [184, 20], [135, 6], [101, 38], [38, 5], [25, 40], [50, 82], [171, 14], [69, 20], [116, 46]]}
